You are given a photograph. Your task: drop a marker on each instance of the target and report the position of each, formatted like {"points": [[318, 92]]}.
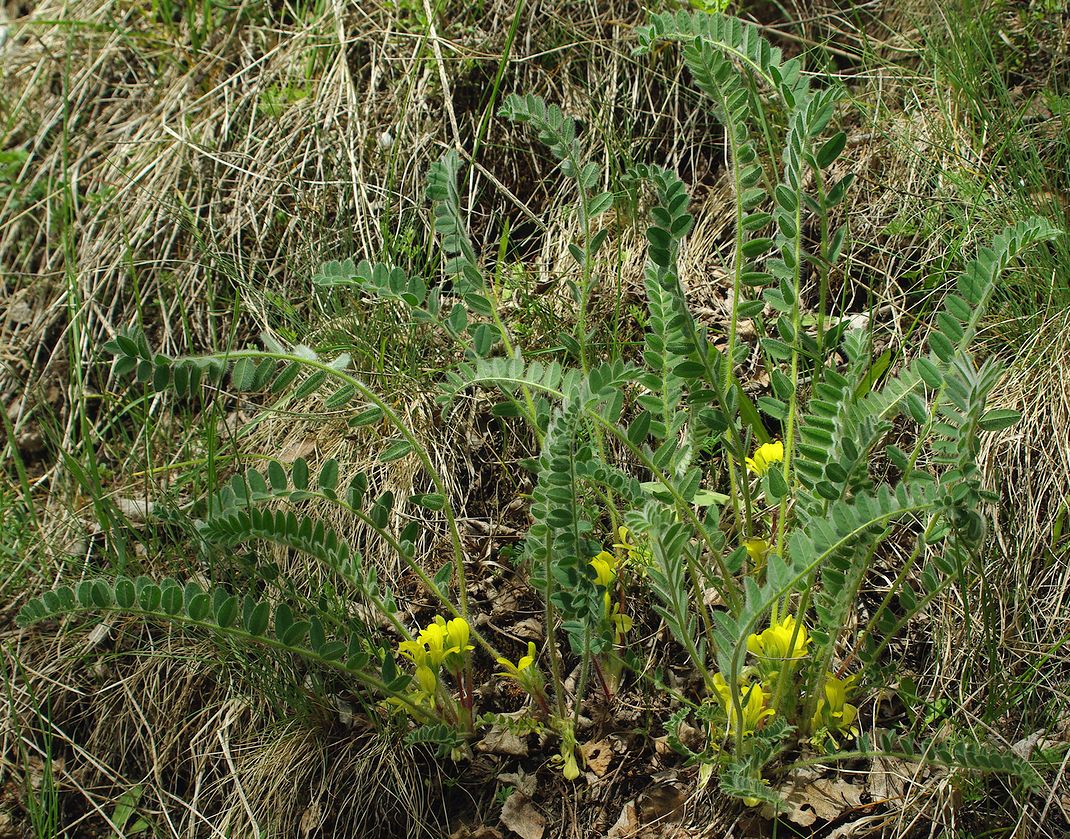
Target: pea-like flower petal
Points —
{"points": [[427, 679], [513, 671], [765, 456], [434, 637], [457, 635], [782, 641], [756, 549], [605, 568]]}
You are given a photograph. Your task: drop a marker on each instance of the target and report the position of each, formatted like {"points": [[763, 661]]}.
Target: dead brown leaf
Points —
{"points": [[889, 777], [529, 629], [521, 780], [825, 799], [662, 800], [502, 741], [521, 817], [478, 832], [627, 824], [597, 756]]}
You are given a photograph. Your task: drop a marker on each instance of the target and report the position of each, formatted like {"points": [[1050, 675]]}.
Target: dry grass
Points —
{"points": [[133, 708]]}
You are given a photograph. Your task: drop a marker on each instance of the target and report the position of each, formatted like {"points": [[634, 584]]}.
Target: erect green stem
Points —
{"points": [[528, 410], [818, 691], [585, 674], [586, 266], [823, 267], [727, 591], [737, 282], [701, 349], [787, 668], [737, 707], [733, 494], [893, 589], [586, 283], [685, 637]]}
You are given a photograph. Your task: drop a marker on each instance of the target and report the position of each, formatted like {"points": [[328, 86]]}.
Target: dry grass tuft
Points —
{"points": [[211, 757], [1030, 463], [296, 782]]}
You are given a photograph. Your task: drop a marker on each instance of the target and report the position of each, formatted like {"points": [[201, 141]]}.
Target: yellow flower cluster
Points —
{"points": [[515, 671], [753, 703], [440, 643], [783, 641], [605, 568], [834, 713], [782, 644], [526, 674], [757, 549], [636, 556]]}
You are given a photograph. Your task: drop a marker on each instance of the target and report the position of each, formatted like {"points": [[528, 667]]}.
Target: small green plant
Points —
{"points": [[771, 504], [34, 749], [125, 815]]}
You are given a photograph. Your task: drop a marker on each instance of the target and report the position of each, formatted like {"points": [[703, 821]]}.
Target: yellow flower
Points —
{"points": [[427, 679], [605, 568], [513, 671], [570, 769], [457, 635], [756, 549], [433, 637], [426, 669], [446, 642], [622, 624], [526, 674], [437, 643], [566, 756], [414, 652], [834, 712], [775, 643], [624, 544], [752, 702], [637, 556], [765, 456]]}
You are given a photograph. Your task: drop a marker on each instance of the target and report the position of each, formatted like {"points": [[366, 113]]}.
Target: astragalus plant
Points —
{"points": [[753, 526]]}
